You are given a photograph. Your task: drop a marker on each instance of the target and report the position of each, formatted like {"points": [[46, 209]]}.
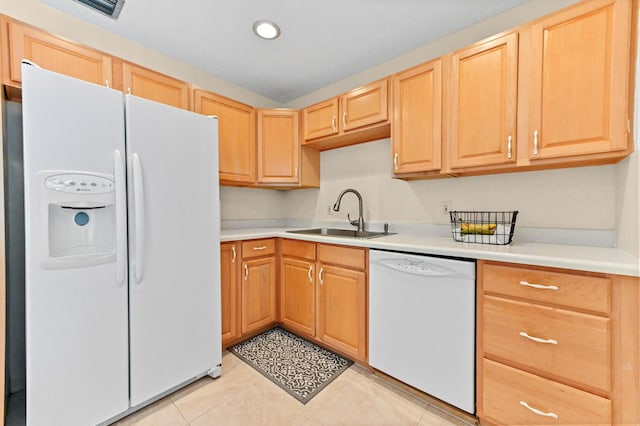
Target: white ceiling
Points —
{"points": [[322, 41]]}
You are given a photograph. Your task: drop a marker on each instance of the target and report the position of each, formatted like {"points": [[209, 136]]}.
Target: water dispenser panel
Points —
{"points": [[78, 220], [79, 183]]}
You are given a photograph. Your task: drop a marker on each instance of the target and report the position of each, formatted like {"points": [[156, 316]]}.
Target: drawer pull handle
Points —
{"points": [[258, 248], [540, 286], [538, 412], [539, 340]]}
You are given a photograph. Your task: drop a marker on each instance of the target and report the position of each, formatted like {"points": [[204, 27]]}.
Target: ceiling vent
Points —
{"points": [[110, 8]]}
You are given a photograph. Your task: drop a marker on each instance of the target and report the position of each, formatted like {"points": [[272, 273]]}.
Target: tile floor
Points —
{"points": [[242, 396]]}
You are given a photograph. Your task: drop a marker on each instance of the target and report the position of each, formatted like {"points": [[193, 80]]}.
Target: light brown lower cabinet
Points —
{"points": [[557, 347], [323, 295], [229, 291], [298, 286], [248, 288]]}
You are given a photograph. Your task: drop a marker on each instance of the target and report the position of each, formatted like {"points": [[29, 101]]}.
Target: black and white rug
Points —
{"points": [[298, 366]]}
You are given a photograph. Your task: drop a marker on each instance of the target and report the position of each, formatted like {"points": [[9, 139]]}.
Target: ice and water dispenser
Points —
{"points": [[79, 210]]}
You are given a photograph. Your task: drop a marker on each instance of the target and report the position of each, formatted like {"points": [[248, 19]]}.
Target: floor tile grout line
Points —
{"points": [[179, 411]]}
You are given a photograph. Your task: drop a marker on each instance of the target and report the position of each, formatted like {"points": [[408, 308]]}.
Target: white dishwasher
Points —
{"points": [[422, 323]]}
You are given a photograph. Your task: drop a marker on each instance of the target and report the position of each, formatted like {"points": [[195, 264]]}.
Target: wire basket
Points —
{"points": [[483, 227]]}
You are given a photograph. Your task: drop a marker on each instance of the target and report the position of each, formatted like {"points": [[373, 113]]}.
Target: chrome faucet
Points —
{"points": [[360, 222]]}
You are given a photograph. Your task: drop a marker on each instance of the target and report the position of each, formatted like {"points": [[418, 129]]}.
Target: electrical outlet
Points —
{"points": [[445, 207], [329, 209]]}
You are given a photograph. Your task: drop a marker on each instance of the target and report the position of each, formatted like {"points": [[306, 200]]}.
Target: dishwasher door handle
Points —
{"points": [[419, 267]]}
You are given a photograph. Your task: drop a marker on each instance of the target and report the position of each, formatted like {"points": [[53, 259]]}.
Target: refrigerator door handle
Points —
{"points": [[121, 216], [138, 191]]}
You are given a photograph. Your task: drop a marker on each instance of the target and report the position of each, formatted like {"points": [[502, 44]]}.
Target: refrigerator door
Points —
{"points": [[76, 307], [174, 231]]}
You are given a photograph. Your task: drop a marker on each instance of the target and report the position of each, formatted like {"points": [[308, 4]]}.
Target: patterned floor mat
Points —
{"points": [[298, 366]]}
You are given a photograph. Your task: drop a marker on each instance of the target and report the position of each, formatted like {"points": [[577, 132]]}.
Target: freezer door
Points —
{"points": [[174, 230], [76, 309]]}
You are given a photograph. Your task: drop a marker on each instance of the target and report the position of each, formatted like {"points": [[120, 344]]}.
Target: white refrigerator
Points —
{"points": [[122, 250]]}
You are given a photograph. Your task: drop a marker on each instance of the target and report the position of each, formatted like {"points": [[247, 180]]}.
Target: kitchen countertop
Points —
{"points": [[583, 258]]}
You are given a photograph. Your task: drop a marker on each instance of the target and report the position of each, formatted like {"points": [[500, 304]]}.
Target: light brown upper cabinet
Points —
{"points": [[21, 41], [578, 81], [357, 116], [278, 146], [417, 117], [282, 162], [321, 119], [482, 103], [157, 87], [364, 106], [236, 136]]}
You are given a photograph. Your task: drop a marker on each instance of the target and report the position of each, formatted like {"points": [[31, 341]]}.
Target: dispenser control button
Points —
{"points": [[85, 183]]}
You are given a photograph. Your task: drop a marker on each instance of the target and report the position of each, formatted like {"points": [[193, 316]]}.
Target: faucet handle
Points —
{"points": [[352, 222]]}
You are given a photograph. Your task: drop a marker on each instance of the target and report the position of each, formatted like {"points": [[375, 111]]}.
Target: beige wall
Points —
{"points": [[577, 198], [250, 203], [627, 204], [53, 21]]}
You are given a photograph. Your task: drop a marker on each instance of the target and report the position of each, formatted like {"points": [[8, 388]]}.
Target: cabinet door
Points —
{"points": [[417, 119], [321, 119], [53, 54], [236, 136], [364, 106], [229, 261], [297, 295], [258, 293], [155, 86], [278, 146], [579, 83], [483, 96], [342, 309]]}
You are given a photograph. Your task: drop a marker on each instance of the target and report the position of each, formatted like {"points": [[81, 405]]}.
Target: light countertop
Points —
{"points": [[583, 258]]}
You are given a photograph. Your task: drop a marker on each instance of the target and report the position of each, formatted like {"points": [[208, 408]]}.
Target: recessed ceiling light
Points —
{"points": [[266, 29]]}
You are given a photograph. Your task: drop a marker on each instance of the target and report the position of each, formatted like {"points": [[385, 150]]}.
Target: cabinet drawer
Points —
{"points": [[505, 389], [257, 248], [572, 290], [346, 256], [582, 351], [296, 248]]}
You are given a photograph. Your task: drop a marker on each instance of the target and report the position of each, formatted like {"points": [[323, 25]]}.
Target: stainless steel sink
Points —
{"points": [[349, 233]]}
